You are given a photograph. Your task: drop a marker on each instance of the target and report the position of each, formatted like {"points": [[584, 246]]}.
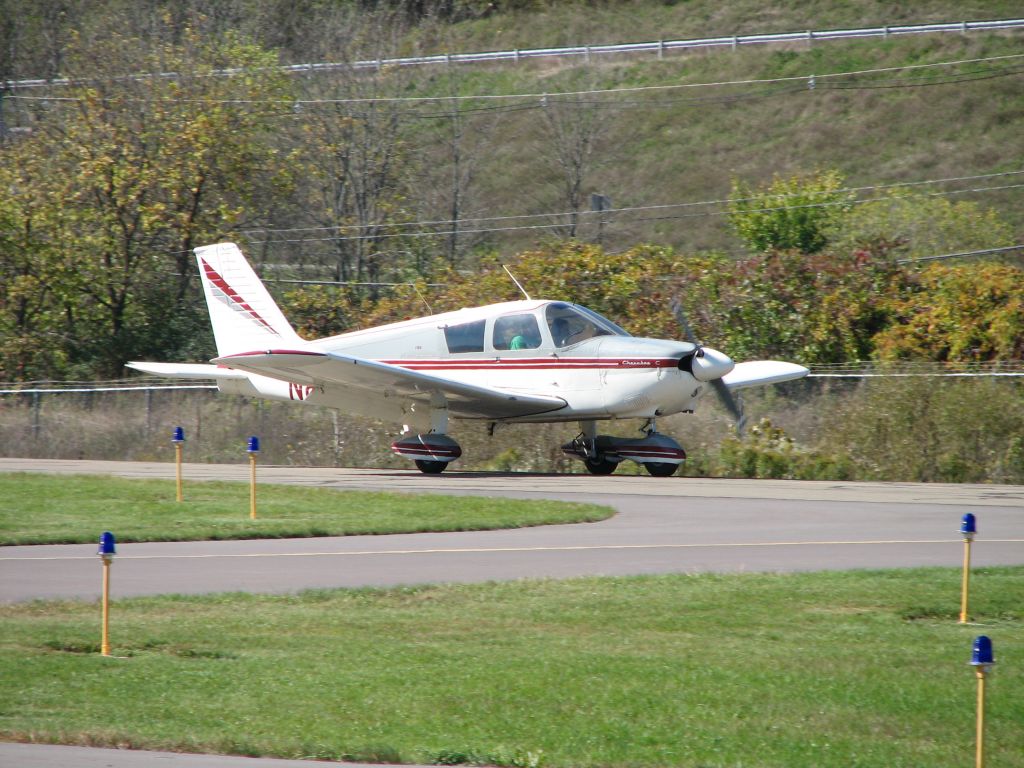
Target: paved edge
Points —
{"points": [[21, 755]]}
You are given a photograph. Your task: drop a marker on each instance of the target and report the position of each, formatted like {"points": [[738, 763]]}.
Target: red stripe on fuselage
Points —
{"points": [[534, 363]]}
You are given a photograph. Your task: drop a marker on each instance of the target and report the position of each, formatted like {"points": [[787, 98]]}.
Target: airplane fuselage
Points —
{"points": [[600, 373]]}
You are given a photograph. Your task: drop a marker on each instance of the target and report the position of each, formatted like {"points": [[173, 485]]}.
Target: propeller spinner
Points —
{"points": [[706, 364]]}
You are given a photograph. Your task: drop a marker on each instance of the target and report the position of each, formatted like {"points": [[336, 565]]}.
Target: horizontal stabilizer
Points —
{"points": [[187, 370], [756, 373]]}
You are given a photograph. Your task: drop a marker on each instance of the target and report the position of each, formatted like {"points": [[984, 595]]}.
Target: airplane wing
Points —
{"points": [[758, 372], [331, 370]]}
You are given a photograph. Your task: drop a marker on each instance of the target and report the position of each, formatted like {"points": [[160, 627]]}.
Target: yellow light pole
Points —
{"points": [[253, 448], [178, 439], [967, 530], [106, 552], [982, 660]]}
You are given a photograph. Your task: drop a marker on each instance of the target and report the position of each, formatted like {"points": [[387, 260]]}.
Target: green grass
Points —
{"points": [[862, 668], [41, 509]]}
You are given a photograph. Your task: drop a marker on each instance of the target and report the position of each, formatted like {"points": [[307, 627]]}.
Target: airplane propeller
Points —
{"points": [[709, 365]]}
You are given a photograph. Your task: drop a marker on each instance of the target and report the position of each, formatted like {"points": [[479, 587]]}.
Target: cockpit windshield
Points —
{"points": [[570, 324]]}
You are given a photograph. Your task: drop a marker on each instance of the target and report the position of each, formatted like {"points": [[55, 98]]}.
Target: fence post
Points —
{"points": [[37, 405]]}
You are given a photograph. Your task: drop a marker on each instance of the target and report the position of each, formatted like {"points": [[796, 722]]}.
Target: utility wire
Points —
{"points": [[628, 209], [1005, 249], [526, 227]]}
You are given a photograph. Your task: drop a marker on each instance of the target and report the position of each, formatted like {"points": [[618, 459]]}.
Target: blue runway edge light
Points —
{"points": [[967, 524], [179, 435], [107, 545], [254, 445], [982, 655]]}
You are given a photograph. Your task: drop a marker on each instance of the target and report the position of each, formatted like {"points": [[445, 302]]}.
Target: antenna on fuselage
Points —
{"points": [[422, 298], [520, 287]]}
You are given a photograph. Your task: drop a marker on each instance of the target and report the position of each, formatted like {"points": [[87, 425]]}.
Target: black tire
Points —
{"points": [[431, 467], [600, 466], [660, 468]]}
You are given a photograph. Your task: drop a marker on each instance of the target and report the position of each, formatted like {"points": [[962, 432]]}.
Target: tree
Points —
{"points": [[919, 226], [572, 128], [30, 275], [140, 171], [789, 214], [355, 156]]}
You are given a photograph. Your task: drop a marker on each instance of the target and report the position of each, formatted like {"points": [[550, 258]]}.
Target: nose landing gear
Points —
{"points": [[601, 454]]}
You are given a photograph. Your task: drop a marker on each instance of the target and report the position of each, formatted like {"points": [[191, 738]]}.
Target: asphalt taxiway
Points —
{"points": [[662, 525]]}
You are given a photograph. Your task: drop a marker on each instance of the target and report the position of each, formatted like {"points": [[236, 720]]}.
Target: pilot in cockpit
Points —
{"points": [[560, 331]]}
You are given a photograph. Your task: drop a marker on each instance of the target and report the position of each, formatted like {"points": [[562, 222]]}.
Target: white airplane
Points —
{"points": [[527, 361]]}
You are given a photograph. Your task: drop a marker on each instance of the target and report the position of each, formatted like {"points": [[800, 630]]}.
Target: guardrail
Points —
{"points": [[659, 47]]}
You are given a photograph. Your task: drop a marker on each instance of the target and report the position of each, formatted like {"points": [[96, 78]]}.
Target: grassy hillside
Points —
{"points": [[579, 23], [675, 145]]}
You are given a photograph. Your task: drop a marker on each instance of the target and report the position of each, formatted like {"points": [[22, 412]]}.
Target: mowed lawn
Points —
{"points": [[66, 509], [866, 668]]}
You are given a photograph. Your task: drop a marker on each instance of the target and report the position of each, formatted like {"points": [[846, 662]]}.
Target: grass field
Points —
{"points": [[40, 509], [832, 669]]}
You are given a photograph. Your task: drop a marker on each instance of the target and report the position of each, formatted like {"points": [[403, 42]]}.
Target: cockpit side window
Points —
{"points": [[516, 332], [570, 325], [468, 337]]}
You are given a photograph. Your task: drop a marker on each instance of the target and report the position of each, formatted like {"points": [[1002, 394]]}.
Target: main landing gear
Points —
{"points": [[602, 454], [433, 451]]}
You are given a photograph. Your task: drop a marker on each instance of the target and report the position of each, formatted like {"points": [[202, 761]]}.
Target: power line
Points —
{"points": [[483, 229], [867, 369], [1005, 249], [527, 227], [628, 209]]}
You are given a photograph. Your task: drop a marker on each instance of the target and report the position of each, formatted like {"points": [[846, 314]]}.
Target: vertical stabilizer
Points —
{"points": [[244, 316]]}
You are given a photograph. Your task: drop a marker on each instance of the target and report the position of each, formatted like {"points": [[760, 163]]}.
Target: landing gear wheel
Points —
{"points": [[600, 466], [431, 467], [660, 468]]}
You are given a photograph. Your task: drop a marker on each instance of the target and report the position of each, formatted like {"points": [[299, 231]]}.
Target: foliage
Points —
{"points": [[917, 226], [820, 307], [789, 213], [31, 291], [319, 311], [633, 287], [103, 196], [956, 313], [767, 452], [136, 174]]}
